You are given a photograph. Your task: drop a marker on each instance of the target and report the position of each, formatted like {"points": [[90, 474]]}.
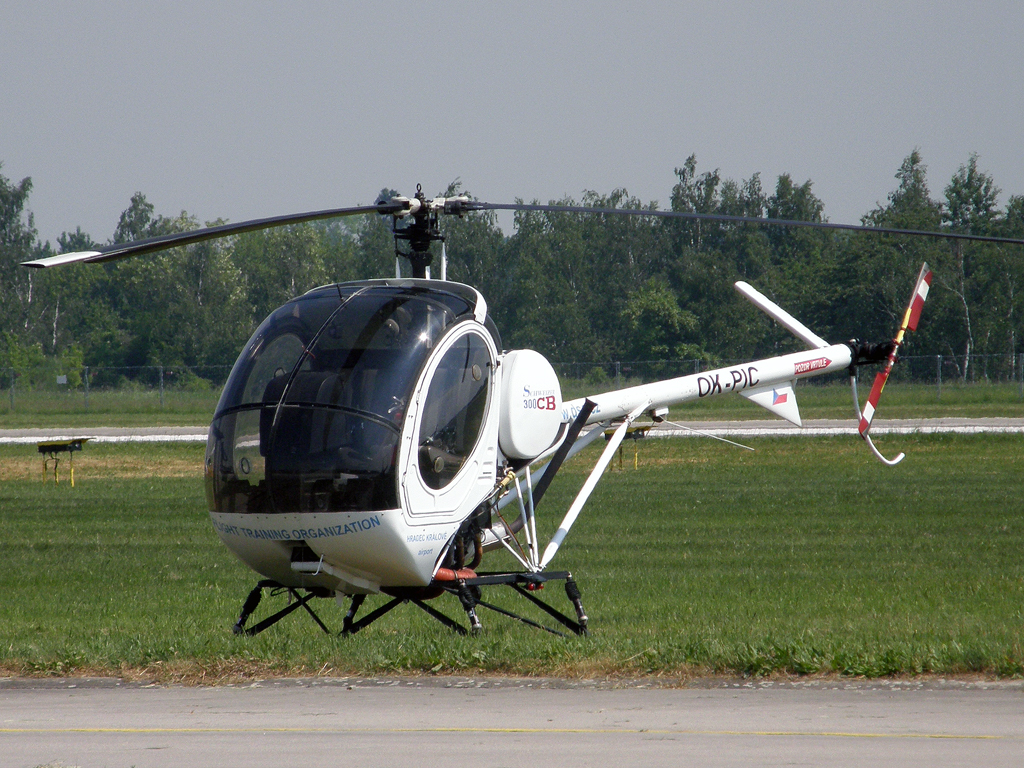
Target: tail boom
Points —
{"points": [[759, 374]]}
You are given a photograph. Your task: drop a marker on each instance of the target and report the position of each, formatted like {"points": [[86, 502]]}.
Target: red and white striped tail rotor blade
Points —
{"points": [[910, 319], [924, 282], [869, 408]]}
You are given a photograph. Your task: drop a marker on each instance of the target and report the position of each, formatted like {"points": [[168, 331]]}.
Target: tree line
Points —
{"points": [[576, 287]]}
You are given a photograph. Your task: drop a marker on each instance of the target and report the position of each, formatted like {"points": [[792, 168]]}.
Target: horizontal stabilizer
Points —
{"points": [[780, 399]]}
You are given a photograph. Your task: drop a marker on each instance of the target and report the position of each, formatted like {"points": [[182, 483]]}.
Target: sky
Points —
{"points": [[240, 110]]}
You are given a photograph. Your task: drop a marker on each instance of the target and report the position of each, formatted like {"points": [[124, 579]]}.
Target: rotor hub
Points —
{"points": [[421, 225]]}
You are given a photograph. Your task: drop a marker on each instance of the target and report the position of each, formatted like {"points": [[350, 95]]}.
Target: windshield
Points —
{"points": [[311, 415]]}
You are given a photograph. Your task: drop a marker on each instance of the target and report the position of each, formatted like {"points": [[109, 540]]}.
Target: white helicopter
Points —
{"points": [[370, 433]]}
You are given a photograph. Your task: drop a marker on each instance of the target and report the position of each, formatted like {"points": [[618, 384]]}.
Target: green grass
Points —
{"points": [[807, 556], [108, 408], [141, 408]]}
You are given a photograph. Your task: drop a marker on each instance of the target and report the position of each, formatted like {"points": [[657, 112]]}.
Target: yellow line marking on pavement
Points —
{"points": [[595, 731]]}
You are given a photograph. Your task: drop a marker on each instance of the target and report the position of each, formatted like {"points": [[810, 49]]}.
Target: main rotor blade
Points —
{"points": [[481, 206], [458, 206], [151, 244]]}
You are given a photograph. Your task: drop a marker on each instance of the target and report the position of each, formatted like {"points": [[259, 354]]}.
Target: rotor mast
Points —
{"points": [[422, 227]]}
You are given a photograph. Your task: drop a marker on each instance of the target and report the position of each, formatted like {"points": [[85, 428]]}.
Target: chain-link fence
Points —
{"points": [[48, 387], [196, 389]]}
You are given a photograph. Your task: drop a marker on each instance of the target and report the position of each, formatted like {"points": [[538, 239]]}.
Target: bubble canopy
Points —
{"points": [[311, 415]]}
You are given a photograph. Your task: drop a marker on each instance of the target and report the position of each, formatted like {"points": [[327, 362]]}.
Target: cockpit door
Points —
{"points": [[449, 442]]}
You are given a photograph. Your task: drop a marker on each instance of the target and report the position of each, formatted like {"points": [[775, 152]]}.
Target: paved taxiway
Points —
{"points": [[444, 722]]}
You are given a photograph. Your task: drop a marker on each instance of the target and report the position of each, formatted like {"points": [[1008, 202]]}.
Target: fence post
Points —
{"points": [[618, 374], [161, 386], [12, 389], [87, 387], [1020, 360], [938, 375]]}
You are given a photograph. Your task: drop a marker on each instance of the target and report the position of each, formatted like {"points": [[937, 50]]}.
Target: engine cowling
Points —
{"points": [[531, 404]]}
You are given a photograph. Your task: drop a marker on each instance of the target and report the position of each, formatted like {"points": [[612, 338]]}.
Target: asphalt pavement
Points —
{"points": [[499, 722]]}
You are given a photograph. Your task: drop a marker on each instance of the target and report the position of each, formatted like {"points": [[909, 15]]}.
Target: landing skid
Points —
{"points": [[469, 593], [467, 590], [295, 602]]}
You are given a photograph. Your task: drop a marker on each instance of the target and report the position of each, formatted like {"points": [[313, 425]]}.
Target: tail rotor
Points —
{"points": [[910, 320]]}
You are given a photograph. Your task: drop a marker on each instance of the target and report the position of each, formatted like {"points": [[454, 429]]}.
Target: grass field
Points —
{"points": [[804, 557], [142, 408], [108, 408]]}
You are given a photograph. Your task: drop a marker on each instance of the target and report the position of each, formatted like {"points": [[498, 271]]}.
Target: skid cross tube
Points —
{"points": [[253, 601], [523, 619], [452, 625], [534, 580], [351, 627], [576, 627]]}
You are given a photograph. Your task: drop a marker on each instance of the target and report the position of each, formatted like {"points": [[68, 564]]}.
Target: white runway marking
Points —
{"points": [[758, 428]]}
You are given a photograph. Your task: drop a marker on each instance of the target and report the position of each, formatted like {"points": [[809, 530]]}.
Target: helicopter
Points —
{"points": [[371, 433]]}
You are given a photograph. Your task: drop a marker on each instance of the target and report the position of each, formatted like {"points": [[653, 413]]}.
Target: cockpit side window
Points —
{"points": [[453, 412]]}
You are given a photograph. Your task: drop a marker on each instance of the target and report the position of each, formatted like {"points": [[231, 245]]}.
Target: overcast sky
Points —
{"points": [[248, 109]]}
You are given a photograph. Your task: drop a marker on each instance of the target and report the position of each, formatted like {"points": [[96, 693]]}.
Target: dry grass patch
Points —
{"points": [[23, 462]]}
